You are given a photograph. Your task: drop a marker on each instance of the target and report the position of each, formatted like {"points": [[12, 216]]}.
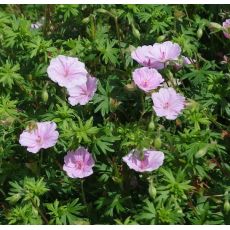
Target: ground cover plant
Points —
{"points": [[114, 114]]}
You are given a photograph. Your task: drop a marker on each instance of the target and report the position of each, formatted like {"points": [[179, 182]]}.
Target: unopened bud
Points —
{"points": [[151, 125], [136, 32], [157, 143], [152, 190], [30, 77], [226, 206], [161, 38], [130, 87], [86, 20], [214, 25], [114, 103], [201, 152], [45, 95], [199, 33], [102, 11]]}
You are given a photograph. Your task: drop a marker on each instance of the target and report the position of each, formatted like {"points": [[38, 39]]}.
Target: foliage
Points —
{"points": [[191, 187]]}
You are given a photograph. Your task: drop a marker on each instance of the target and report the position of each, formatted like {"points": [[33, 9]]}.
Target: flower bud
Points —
{"points": [[226, 206], [86, 20], [130, 87], [199, 33], [136, 32], [152, 190], [214, 25], [114, 103], [102, 11], [151, 125], [192, 104], [201, 152], [30, 77], [157, 142], [161, 38], [45, 95]]}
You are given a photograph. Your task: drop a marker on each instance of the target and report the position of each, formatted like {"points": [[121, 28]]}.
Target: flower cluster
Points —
{"points": [[69, 72], [166, 103]]}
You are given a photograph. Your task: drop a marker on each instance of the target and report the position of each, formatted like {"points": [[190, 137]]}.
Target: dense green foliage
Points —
{"points": [[192, 186]]}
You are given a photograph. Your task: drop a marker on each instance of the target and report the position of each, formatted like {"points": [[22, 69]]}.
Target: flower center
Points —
{"points": [[162, 57], [166, 105], [79, 164], [145, 83], [143, 164], [39, 139], [66, 73]]}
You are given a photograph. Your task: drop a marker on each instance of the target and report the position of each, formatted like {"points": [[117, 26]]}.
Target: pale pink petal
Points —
{"points": [[151, 160], [43, 136], [226, 26], [67, 71], [78, 163], [167, 103], [84, 93], [147, 79]]}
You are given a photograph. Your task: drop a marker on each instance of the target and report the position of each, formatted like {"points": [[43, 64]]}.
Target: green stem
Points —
{"points": [[83, 193], [92, 27], [41, 159], [143, 105], [40, 212], [83, 196], [186, 12], [118, 35]]}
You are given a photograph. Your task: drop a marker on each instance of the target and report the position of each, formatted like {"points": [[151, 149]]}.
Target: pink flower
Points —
{"points": [[150, 160], [164, 52], [43, 136], [82, 94], [67, 71], [147, 79], [167, 103], [226, 26], [144, 57], [185, 61], [78, 163]]}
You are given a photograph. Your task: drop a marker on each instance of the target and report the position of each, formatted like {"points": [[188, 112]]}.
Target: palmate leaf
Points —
{"points": [[159, 26], [25, 214], [108, 52], [28, 189], [8, 108], [40, 46], [112, 204], [64, 214], [147, 213], [105, 172], [177, 184], [9, 74], [85, 131], [103, 98], [78, 132], [69, 10], [104, 143], [199, 76]]}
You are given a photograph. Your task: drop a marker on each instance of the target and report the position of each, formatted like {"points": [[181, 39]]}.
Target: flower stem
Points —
{"points": [[82, 192], [40, 162], [143, 105], [40, 211], [83, 196]]}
